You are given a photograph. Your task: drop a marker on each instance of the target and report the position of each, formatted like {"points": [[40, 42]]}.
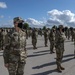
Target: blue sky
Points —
{"points": [[36, 11]]}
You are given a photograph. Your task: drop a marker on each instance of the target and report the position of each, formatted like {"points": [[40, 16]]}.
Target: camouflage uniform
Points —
{"points": [[46, 37], [34, 38], [52, 40], [30, 32], [15, 52], [26, 33], [1, 38], [4, 34], [66, 33], [74, 43], [69, 33], [72, 35], [59, 39], [40, 32]]}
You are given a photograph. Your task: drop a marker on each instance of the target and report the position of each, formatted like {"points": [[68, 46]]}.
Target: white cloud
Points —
{"points": [[65, 17], [3, 5], [34, 23], [56, 17]]}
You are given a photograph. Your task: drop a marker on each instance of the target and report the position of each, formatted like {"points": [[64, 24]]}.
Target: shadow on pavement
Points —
{"points": [[1, 52], [42, 51], [37, 55], [46, 73], [67, 59], [69, 55], [29, 48], [44, 65], [50, 64], [1, 55]]}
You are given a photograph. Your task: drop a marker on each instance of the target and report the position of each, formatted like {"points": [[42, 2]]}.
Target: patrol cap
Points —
{"points": [[18, 19]]}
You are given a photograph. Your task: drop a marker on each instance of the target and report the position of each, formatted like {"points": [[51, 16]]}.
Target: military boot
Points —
{"points": [[62, 68], [52, 52], [34, 47], [58, 69], [46, 45]]}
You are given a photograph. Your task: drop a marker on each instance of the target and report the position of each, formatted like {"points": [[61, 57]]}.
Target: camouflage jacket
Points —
{"points": [[15, 48], [59, 38], [34, 35], [46, 34], [51, 36]]}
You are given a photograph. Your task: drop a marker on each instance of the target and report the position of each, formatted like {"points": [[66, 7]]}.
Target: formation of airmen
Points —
{"points": [[13, 43]]}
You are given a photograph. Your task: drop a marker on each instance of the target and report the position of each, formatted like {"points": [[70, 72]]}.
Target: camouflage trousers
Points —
{"points": [[72, 38], [68, 37], [46, 40], [52, 45], [34, 41], [59, 54], [1, 44], [16, 68]]}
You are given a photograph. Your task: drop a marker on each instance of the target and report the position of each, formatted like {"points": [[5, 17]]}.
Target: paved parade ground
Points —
{"points": [[41, 62]]}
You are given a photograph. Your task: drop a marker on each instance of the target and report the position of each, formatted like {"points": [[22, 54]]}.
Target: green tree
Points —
{"points": [[44, 27], [26, 26], [54, 26]]}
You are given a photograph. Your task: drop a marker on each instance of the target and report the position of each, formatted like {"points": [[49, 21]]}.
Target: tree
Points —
{"points": [[44, 27], [26, 26], [54, 26]]}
